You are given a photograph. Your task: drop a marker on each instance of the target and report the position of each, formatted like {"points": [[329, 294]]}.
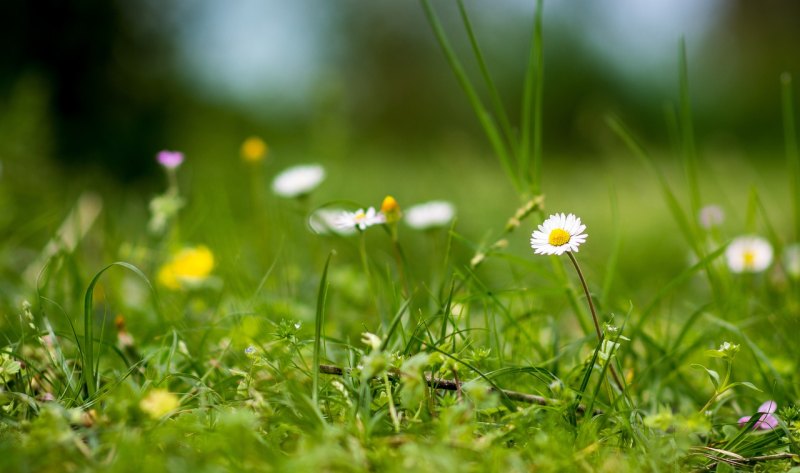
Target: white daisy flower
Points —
{"points": [[711, 216], [298, 180], [558, 234], [791, 260], [326, 221], [436, 213], [749, 254], [360, 219]]}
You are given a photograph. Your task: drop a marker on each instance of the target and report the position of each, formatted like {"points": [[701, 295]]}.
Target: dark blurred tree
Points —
{"points": [[105, 71]]}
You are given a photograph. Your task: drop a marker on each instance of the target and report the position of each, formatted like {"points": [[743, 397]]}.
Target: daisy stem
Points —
{"points": [[594, 315], [588, 296], [400, 259]]}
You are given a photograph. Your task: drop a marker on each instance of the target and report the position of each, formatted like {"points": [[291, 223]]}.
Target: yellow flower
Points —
{"points": [[158, 403], [254, 150], [190, 266], [391, 209]]}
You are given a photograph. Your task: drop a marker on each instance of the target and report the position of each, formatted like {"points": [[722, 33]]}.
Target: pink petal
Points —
{"points": [[743, 421], [767, 422], [768, 407]]}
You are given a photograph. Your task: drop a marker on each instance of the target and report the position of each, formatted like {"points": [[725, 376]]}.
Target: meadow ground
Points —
{"points": [[246, 318]]}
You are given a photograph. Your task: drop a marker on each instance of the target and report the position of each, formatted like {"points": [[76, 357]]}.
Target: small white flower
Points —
{"points": [[791, 260], [711, 216], [558, 234], [749, 254], [326, 221], [436, 213], [360, 219], [298, 180], [371, 340]]}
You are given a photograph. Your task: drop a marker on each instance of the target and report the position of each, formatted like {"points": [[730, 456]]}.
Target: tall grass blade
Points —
{"points": [[472, 96], [532, 99], [689, 150], [322, 295], [494, 94], [684, 223]]}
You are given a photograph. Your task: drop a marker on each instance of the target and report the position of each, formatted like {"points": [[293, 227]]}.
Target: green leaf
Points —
{"points": [[711, 374]]}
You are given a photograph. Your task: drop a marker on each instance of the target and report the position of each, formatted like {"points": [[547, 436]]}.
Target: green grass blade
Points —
{"points": [[683, 221], [689, 150], [532, 95], [494, 94], [318, 322], [395, 323], [472, 96], [89, 371]]}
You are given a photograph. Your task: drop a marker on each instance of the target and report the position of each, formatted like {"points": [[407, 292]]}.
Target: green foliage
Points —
{"points": [[448, 349]]}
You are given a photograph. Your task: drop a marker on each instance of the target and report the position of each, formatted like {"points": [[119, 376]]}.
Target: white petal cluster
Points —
{"points": [[749, 254], [559, 233], [360, 219]]}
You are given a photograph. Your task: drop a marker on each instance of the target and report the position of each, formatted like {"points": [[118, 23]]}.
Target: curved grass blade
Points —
{"points": [[89, 370]]}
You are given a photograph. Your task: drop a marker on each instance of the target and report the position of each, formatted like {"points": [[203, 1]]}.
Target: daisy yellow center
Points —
{"points": [[360, 216], [749, 257], [558, 237]]}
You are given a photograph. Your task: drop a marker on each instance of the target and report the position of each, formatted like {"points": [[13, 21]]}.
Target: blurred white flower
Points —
{"points": [[749, 254], [298, 180], [558, 234], [325, 221], [371, 340], [359, 219], [711, 216], [791, 260], [436, 213]]}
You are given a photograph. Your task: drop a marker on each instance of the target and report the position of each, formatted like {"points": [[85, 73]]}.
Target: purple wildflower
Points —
{"points": [[767, 421], [170, 159]]}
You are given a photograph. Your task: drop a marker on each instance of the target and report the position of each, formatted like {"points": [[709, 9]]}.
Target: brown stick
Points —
{"points": [[452, 385]]}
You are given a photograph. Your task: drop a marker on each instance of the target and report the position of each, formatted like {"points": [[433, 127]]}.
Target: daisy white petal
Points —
{"points": [[298, 180], [432, 214]]}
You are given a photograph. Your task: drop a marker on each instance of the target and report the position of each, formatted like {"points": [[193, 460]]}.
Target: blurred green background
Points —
{"points": [[109, 83], [91, 90]]}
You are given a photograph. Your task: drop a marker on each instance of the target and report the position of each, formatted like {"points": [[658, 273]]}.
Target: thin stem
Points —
{"points": [[588, 296], [594, 316], [362, 249], [452, 385], [399, 260]]}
